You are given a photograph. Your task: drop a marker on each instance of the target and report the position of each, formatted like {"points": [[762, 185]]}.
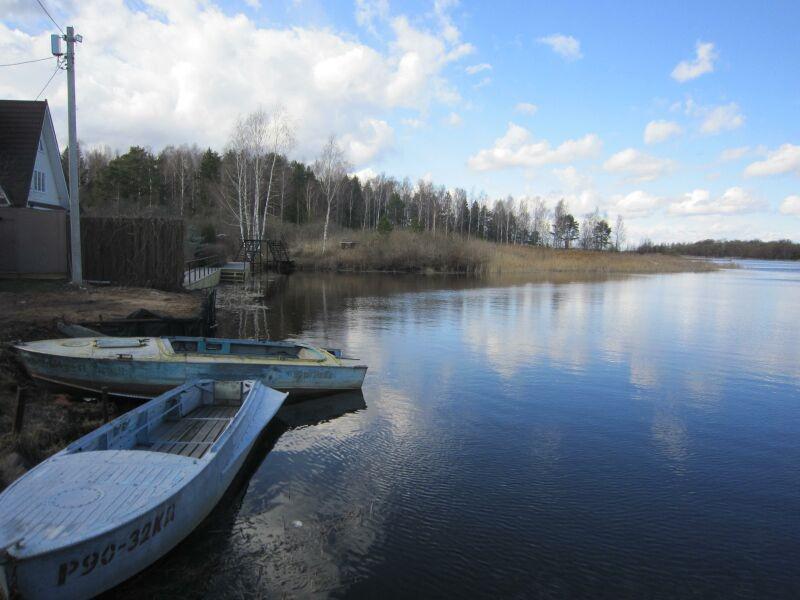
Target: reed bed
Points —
{"points": [[406, 251]]}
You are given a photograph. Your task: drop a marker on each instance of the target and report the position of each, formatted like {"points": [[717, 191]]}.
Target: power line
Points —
{"points": [[58, 67], [39, 2], [25, 62]]}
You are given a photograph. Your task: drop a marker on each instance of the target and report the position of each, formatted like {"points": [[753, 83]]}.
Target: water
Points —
{"points": [[635, 437]]}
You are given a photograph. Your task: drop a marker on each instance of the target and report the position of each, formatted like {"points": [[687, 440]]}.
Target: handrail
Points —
{"points": [[198, 268]]}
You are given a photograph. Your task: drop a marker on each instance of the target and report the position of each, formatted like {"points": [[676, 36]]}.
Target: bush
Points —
{"points": [[384, 226]]}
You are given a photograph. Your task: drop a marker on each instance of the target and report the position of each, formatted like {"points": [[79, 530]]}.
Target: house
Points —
{"points": [[34, 200], [30, 161]]}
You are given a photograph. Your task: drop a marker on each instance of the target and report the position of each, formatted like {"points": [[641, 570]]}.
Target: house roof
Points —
{"points": [[20, 128]]}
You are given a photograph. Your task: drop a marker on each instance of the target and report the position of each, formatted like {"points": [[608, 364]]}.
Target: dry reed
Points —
{"points": [[406, 251]]}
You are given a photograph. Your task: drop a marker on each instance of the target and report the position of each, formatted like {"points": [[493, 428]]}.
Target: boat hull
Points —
{"points": [[147, 379], [97, 564]]}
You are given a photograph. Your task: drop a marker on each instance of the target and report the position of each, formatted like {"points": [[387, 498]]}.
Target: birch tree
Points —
{"points": [[619, 233], [330, 169], [257, 141]]}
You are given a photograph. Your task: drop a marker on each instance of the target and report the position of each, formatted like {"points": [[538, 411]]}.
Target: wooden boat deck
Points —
{"points": [[193, 434]]}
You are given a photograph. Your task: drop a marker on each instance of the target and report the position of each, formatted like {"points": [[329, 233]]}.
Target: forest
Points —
{"points": [[251, 184], [777, 250]]}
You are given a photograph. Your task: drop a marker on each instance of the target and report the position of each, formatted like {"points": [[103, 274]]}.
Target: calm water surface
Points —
{"points": [[617, 438]]}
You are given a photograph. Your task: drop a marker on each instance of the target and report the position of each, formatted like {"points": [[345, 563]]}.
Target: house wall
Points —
{"points": [[33, 243], [50, 196]]}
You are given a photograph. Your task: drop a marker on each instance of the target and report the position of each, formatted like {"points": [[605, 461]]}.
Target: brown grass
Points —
{"points": [[424, 252]]}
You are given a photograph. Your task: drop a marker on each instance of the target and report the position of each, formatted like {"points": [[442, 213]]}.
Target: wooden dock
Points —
{"points": [[200, 278], [234, 272]]}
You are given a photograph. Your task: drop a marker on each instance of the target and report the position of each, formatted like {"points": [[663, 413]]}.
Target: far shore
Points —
{"points": [[410, 252]]}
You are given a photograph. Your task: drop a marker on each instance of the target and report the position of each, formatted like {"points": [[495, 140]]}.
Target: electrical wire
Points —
{"points": [[58, 67], [25, 62], [39, 2]]}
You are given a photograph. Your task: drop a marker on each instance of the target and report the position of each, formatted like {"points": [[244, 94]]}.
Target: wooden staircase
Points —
{"points": [[279, 256]]}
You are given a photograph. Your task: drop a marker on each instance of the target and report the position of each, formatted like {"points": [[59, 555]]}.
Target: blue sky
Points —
{"points": [[527, 99]]}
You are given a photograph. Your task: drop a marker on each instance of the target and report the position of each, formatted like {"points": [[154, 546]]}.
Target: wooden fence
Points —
{"points": [[139, 251], [33, 243]]}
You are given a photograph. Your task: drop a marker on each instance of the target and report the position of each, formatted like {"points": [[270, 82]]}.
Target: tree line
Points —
{"points": [[252, 183], [777, 250]]}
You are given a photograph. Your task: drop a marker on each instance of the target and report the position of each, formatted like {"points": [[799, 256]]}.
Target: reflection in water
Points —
{"points": [[231, 554], [571, 437], [314, 411], [670, 436]]}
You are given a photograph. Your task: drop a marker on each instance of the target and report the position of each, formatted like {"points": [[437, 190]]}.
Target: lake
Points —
{"points": [[632, 437]]}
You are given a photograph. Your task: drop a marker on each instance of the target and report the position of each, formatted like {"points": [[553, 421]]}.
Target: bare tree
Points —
{"points": [[330, 170], [590, 221], [255, 145], [541, 224], [619, 233]]}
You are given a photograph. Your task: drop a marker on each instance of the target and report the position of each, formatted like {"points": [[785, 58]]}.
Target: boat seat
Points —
{"points": [[194, 433]]}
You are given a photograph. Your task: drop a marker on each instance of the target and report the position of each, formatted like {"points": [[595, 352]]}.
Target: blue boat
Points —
{"points": [[146, 367], [118, 499]]}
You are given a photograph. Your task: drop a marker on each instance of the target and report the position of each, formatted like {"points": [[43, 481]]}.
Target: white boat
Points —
{"points": [[118, 499], [149, 366]]}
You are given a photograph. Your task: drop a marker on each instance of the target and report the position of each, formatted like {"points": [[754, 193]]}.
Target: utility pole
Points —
{"points": [[74, 204]]}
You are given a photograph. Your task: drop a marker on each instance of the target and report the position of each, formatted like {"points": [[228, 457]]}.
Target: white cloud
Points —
{"points": [[365, 175], [254, 4], [413, 123], [699, 202], [526, 108], [636, 204], [370, 11], [453, 119], [785, 159], [638, 166], [661, 131], [572, 179], [373, 137], [473, 69], [482, 83], [730, 154], [449, 31], [791, 205], [715, 119], [517, 149], [565, 46], [183, 72], [722, 118], [702, 63]]}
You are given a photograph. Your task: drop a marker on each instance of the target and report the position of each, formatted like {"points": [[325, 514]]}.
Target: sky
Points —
{"points": [[683, 117]]}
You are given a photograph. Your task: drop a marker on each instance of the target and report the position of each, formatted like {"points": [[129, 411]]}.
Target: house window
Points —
{"points": [[39, 181], [41, 145]]}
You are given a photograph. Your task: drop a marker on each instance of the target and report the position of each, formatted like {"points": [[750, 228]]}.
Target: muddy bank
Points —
{"points": [[29, 310]]}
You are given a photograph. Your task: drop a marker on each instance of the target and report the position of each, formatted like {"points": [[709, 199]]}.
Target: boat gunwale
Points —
{"points": [[165, 353]]}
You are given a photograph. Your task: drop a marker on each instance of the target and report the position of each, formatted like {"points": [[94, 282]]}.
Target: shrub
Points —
{"points": [[384, 226]]}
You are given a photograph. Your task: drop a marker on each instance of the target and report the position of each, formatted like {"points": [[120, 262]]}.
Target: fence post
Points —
{"points": [[19, 415]]}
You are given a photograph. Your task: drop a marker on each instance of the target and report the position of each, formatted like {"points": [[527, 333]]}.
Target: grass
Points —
{"points": [[406, 251]]}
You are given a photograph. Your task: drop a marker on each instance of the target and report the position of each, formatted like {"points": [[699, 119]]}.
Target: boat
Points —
{"points": [[119, 498], [143, 367]]}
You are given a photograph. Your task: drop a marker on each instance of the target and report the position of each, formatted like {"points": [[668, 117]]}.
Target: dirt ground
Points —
{"points": [[29, 311]]}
